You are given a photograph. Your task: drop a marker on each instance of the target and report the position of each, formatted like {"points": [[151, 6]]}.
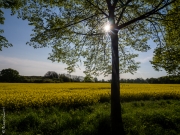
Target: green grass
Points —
{"points": [[159, 117]]}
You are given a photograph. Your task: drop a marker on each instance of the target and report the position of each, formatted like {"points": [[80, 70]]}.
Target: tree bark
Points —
{"points": [[116, 117]]}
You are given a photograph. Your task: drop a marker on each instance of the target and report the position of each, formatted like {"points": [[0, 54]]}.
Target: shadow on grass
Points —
{"points": [[139, 118]]}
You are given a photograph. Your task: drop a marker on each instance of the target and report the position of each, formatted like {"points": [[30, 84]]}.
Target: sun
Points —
{"points": [[107, 27]]}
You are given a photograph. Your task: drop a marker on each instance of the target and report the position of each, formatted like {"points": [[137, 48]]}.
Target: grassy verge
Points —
{"points": [[159, 117]]}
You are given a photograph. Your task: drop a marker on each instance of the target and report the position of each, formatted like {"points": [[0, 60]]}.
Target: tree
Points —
{"points": [[102, 80], [9, 75], [64, 78], [76, 79], [74, 29], [95, 79], [51, 74], [167, 56], [88, 78]]}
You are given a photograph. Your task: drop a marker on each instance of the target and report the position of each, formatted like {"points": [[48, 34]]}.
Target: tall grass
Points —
{"points": [[139, 117]]}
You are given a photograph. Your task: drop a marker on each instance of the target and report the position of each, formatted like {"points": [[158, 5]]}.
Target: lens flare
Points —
{"points": [[107, 27]]}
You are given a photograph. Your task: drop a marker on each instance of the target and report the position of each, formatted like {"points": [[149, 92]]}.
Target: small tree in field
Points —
{"points": [[95, 79], [101, 32], [51, 74], [64, 78], [9, 75], [88, 78]]}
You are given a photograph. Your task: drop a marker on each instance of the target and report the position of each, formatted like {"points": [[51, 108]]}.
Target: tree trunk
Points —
{"points": [[116, 117]]}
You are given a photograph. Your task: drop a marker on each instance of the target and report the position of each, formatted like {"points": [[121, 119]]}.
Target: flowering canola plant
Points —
{"points": [[22, 95]]}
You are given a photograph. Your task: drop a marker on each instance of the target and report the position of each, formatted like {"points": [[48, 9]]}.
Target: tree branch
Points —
{"points": [[98, 8], [115, 3], [123, 11], [156, 32], [75, 22], [91, 34], [156, 9]]}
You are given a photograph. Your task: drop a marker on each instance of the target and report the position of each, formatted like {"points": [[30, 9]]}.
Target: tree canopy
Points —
{"points": [[73, 32], [88, 78], [51, 74], [9, 75], [167, 55]]}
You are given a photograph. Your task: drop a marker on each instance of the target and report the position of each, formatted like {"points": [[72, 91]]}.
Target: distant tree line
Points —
{"points": [[11, 75], [160, 80]]}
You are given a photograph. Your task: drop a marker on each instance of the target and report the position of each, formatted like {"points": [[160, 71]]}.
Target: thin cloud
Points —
{"points": [[144, 60], [32, 67]]}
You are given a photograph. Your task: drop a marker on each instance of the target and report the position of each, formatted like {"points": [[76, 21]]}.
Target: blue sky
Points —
{"points": [[29, 61]]}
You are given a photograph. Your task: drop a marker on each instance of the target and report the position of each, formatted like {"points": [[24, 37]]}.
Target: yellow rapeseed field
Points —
{"points": [[21, 95]]}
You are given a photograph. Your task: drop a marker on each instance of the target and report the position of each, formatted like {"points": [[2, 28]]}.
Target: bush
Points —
{"points": [[9, 75]]}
